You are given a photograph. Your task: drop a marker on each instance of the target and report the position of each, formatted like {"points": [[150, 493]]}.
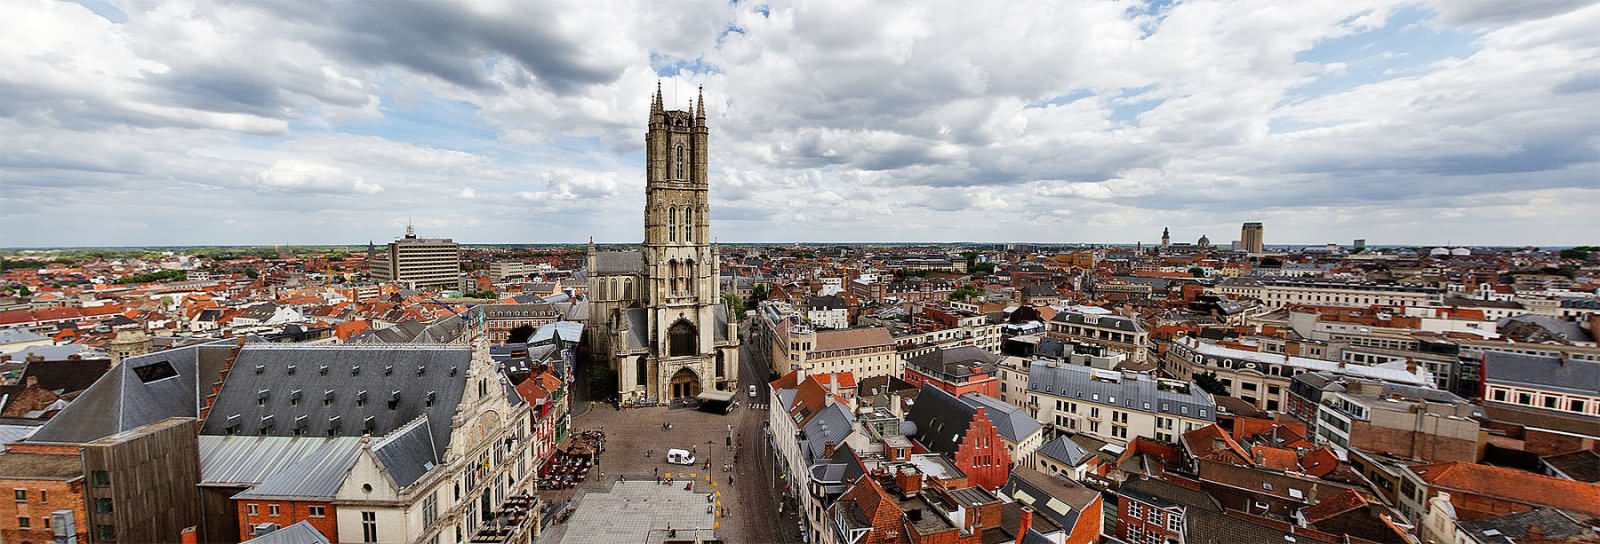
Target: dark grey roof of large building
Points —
{"points": [[1131, 391], [1013, 423], [955, 362], [140, 391], [315, 475], [617, 262], [941, 419], [1573, 375], [277, 389], [408, 452], [1104, 321], [826, 302], [249, 460]]}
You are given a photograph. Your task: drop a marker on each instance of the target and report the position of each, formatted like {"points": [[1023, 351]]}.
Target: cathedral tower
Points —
{"points": [[672, 337]]}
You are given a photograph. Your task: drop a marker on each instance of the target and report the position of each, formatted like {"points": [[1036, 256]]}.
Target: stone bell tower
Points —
{"points": [[688, 351]]}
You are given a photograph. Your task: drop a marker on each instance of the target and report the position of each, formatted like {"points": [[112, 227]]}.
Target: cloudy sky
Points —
{"points": [[129, 122]]}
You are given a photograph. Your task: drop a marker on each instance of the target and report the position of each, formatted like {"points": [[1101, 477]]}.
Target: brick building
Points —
{"points": [[982, 455], [957, 371], [44, 483]]}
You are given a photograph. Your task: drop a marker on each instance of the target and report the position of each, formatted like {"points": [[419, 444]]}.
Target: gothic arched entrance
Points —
{"points": [[685, 384], [682, 339]]}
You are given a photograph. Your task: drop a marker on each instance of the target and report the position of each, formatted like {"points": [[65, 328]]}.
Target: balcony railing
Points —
{"points": [[511, 521]]}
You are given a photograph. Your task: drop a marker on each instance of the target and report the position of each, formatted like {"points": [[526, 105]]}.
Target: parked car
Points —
{"points": [[752, 391]]}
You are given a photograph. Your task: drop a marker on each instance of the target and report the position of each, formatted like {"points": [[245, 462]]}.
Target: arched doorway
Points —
{"points": [[685, 384]]}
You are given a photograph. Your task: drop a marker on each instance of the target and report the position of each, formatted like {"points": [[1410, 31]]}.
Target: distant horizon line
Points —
{"points": [[773, 243]]}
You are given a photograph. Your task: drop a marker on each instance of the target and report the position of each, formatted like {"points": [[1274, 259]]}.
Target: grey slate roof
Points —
{"points": [[719, 323], [1512, 528], [298, 533], [315, 475], [1570, 331], [1066, 451], [17, 335], [941, 420], [1012, 422], [957, 361], [408, 453], [638, 323], [832, 423], [826, 302], [1575, 376], [351, 369], [250, 460], [617, 262], [1104, 321], [121, 400], [1136, 392]]}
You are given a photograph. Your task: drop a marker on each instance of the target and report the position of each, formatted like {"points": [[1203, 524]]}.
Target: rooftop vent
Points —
{"points": [[260, 369], [428, 399], [388, 369], [291, 370], [322, 370], [394, 399], [368, 424], [421, 369], [355, 370]]}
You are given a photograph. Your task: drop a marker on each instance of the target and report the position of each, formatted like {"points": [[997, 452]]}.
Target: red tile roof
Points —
{"points": [[1513, 485], [1338, 503]]}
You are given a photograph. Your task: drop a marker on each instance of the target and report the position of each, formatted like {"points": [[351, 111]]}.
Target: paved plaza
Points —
{"points": [[643, 512]]}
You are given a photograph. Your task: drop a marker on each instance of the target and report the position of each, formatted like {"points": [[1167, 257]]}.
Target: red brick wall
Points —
{"points": [[1126, 521], [983, 455], [55, 495], [1433, 449], [1540, 442], [1087, 529], [289, 513]]}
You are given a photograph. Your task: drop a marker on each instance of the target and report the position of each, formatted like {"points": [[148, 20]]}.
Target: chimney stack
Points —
{"points": [[1411, 365], [908, 480], [828, 449], [1024, 524]]}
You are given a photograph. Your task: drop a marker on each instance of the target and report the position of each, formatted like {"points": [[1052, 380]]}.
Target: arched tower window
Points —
{"points": [[677, 163], [672, 224], [640, 372], [672, 277], [688, 224], [682, 338], [689, 276]]}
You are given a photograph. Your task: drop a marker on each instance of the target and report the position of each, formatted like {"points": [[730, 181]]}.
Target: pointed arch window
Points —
{"points": [[688, 224], [672, 224], [677, 162]]}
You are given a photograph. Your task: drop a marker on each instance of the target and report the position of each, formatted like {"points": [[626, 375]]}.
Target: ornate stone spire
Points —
{"points": [[700, 104]]}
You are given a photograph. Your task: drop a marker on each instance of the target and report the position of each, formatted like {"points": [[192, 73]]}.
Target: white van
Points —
{"points": [[680, 457]]}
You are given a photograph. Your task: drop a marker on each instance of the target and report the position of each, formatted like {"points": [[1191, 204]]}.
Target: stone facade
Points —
{"points": [[665, 329]]}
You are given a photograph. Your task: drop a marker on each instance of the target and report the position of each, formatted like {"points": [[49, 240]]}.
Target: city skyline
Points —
{"points": [[1459, 123]]}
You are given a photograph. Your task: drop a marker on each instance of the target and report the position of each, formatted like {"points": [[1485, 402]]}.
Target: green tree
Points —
{"points": [[757, 294], [1580, 253], [1197, 272], [22, 291], [1210, 383], [965, 292], [251, 273], [733, 303], [983, 267]]}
